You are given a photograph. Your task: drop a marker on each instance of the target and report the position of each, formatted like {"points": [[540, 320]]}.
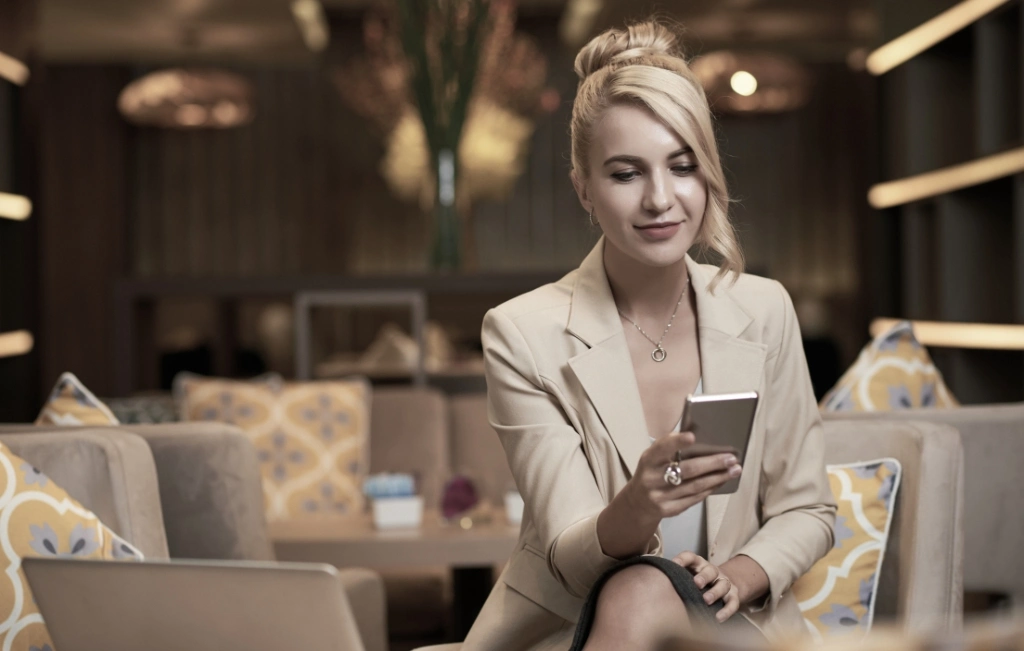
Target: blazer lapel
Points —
{"points": [[605, 370], [728, 365]]}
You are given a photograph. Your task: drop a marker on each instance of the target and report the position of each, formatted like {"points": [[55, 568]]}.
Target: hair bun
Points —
{"points": [[617, 46]]}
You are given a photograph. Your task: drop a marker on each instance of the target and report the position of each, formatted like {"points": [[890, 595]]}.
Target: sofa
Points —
{"points": [[993, 442], [186, 490]]}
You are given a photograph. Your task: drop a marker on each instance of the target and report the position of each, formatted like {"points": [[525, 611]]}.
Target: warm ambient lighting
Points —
{"points": [[13, 70], [577, 21], [14, 206], [743, 83], [309, 15], [957, 177], [15, 343], [959, 335], [927, 34], [188, 99]]}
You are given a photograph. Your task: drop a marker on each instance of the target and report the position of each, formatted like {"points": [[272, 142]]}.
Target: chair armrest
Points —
{"points": [[110, 472]]}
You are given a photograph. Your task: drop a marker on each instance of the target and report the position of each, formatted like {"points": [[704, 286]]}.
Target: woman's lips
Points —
{"points": [[659, 232]]}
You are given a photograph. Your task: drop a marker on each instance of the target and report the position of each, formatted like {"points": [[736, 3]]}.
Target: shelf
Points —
{"points": [[491, 283], [14, 206], [13, 70], [907, 46], [957, 177], [978, 336]]}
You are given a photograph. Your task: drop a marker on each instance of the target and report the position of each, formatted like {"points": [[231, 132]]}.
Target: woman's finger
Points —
{"points": [[674, 507], [697, 485], [688, 559], [705, 576], [732, 605], [718, 590], [706, 465]]}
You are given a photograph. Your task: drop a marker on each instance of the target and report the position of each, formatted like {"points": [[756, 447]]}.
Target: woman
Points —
{"points": [[587, 378]]}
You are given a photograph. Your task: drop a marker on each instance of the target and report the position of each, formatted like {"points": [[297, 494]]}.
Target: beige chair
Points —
{"points": [[212, 502], [920, 586], [993, 443], [110, 473]]}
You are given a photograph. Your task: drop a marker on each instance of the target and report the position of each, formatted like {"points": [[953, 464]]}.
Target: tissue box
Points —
{"points": [[398, 512]]}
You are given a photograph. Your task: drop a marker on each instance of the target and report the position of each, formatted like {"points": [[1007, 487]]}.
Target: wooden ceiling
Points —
{"points": [[147, 31]]}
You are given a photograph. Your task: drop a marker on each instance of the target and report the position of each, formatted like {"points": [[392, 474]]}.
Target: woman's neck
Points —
{"points": [[641, 291]]}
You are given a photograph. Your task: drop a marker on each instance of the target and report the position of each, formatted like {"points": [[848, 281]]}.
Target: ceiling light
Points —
{"points": [[750, 82], [14, 206], [190, 99], [743, 83]]}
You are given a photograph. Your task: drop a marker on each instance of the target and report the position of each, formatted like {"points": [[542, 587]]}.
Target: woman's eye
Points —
{"points": [[625, 176], [684, 169]]}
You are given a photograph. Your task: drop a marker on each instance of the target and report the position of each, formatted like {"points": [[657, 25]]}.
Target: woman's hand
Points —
{"points": [[655, 498], [722, 587]]}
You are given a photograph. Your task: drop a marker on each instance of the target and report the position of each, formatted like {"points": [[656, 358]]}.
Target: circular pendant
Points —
{"points": [[659, 354]]}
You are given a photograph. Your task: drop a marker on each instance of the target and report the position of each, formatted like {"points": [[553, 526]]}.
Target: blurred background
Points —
{"points": [[232, 187]]}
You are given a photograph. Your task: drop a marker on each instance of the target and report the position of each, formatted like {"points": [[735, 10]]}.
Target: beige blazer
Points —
{"points": [[563, 398]]}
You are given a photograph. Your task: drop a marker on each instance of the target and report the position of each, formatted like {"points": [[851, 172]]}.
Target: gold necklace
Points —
{"points": [[659, 353]]}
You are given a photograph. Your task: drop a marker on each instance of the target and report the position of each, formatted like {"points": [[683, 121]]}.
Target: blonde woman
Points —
{"points": [[587, 378]]}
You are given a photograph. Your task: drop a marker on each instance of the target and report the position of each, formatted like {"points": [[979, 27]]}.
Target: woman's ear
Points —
{"points": [[580, 185]]}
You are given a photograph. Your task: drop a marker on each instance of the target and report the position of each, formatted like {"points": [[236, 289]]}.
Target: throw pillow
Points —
{"points": [[38, 518], [312, 438], [892, 372], [837, 595], [70, 403]]}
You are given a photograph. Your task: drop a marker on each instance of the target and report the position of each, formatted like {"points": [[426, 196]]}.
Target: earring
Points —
{"points": [[592, 222]]}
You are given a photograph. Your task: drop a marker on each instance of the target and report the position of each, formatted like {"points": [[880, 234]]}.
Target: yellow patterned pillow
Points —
{"points": [[892, 372], [837, 595], [70, 403], [312, 438], [37, 518]]}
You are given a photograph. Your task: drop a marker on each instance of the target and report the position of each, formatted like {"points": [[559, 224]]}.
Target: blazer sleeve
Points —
{"points": [[546, 456], [797, 507]]}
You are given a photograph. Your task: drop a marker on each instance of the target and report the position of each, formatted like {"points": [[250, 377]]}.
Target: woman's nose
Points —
{"points": [[658, 197]]}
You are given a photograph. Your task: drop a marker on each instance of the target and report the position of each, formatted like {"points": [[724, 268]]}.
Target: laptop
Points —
{"points": [[92, 605]]}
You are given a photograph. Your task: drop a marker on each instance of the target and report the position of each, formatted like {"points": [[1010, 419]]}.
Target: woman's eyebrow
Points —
{"points": [[636, 160], [681, 152]]}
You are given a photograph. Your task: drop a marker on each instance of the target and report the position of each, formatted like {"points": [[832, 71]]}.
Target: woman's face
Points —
{"points": [[644, 188]]}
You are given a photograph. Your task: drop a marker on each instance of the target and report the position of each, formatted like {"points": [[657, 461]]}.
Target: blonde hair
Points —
{"points": [[644, 65]]}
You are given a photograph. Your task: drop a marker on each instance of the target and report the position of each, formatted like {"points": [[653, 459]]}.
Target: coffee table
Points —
{"points": [[353, 541]]}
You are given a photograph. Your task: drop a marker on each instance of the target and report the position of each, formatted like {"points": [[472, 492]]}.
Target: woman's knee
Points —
{"points": [[638, 594]]}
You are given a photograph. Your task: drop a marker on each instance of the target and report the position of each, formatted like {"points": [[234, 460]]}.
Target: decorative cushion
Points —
{"points": [[70, 403], [38, 518], [312, 438], [892, 372], [149, 409], [837, 595]]}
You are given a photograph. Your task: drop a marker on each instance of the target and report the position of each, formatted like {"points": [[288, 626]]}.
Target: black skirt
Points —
{"points": [[681, 579]]}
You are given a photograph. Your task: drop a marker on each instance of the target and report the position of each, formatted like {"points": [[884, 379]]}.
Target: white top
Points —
{"points": [[684, 532]]}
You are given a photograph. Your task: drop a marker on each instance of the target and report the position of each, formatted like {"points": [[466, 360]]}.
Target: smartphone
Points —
{"points": [[721, 423]]}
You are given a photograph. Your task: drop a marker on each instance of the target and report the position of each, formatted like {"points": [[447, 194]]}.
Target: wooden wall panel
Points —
{"points": [[82, 216]]}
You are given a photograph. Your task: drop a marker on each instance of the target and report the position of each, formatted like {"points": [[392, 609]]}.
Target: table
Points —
{"points": [[352, 541]]}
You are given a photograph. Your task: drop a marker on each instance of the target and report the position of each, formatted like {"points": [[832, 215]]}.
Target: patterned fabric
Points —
{"points": [[37, 518], [892, 372], [70, 403], [312, 438], [146, 409], [838, 594]]}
